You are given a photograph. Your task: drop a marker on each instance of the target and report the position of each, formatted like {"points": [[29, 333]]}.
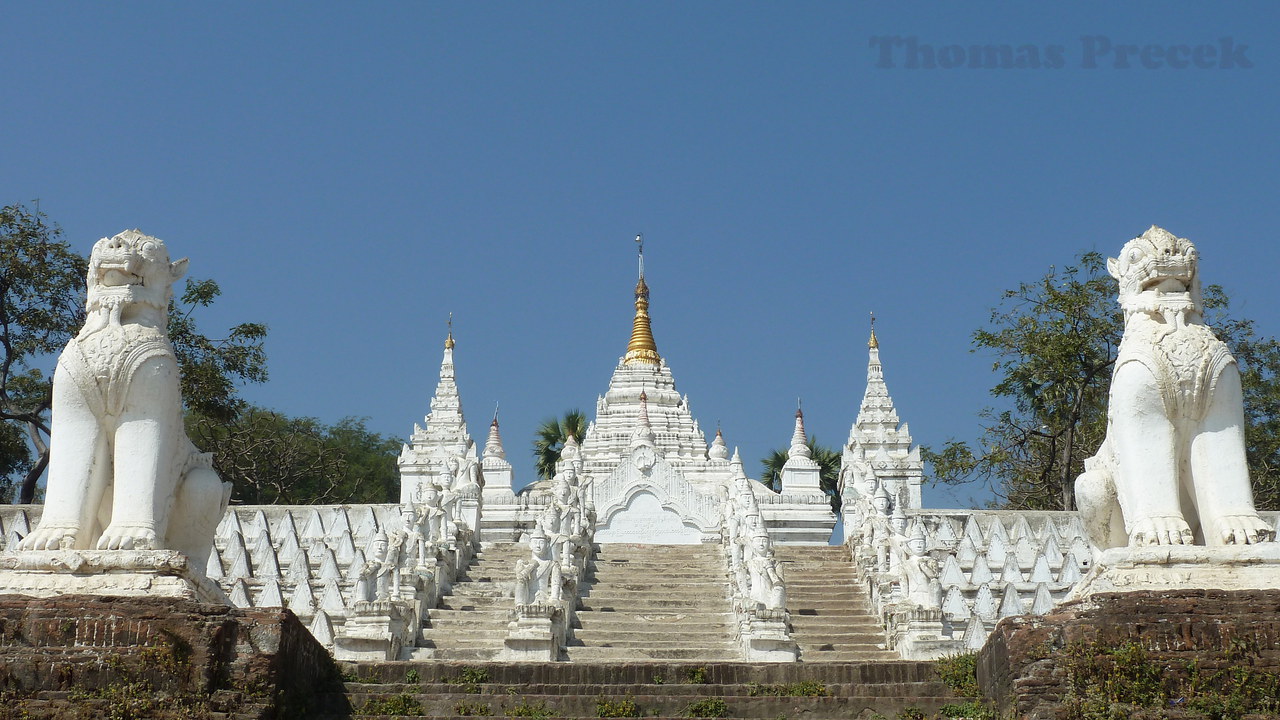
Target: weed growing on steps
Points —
{"points": [[525, 709], [696, 675], [1114, 682], [960, 673], [469, 679], [707, 708], [609, 708], [412, 676], [468, 709], [806, 688], [394, 705]]}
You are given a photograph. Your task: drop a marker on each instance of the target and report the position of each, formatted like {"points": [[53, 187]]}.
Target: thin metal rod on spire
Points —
{"points": [[640, 244], [495, 412]]}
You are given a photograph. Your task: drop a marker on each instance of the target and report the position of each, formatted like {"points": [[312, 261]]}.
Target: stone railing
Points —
{"points": [[941, 579], [755, 579], [548, 581]]}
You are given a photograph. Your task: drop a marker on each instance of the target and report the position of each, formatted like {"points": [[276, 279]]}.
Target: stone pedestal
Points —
{"points": [[194, 659], [1030, 664], [1177, 567], [536, 634], [764, 637], [376, 630], [918, 634], [123, 573]]}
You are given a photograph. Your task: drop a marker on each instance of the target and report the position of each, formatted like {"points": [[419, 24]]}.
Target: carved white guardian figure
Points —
{"points": [[122, 473], [1171, 470]]}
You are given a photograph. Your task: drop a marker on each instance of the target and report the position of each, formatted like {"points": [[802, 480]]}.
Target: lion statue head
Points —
{"points": [[130, 269], [1158, 272]]}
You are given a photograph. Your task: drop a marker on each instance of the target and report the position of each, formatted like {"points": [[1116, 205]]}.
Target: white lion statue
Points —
{"points": [[1172, 469], [122, 473]]}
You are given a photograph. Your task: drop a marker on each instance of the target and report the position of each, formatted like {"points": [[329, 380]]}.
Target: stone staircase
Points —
{"points": [[831, 615], [764, 691], [471, 620], [655, 602]]}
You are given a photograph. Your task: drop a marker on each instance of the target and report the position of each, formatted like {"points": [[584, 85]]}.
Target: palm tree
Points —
{"points": [[828, 467], [549, 439]]}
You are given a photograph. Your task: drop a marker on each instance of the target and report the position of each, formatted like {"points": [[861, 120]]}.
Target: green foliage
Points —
{"points": [[828, 460], [1055, 342], [960, 673], [1108, 683], [550, 437], [42, 289], [805, 688], [537, 711], [213, 368], [707, 708], [911, 713], [609, 708], [469, 679], [272, 458], [412, 676], [696, 675], [972, 710], [468, 709], [394, 705]]}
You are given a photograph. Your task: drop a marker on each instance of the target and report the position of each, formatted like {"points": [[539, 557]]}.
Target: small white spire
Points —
{"points": [[799, 442], [719, 450], [493, 446]]}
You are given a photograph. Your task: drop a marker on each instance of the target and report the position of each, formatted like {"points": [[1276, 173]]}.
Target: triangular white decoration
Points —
{"points": [[981, 574], [269, 595], [329, 567], [975, 636], [1043, 602], [966, 552], [955, 606], [331, 600], [302, 600], [1010, 604], [357, 564], [240, 595], [1021, 529], [314, 529], [1070, 573], [1040, 572], [952, 575], [322, 629], [1011, 573], [997, 549], [213, 568], [229, 525], [346, 547], [984, 605]]}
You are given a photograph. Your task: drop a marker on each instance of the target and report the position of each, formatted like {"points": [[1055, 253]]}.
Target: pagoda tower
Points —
{"points": [[445, 436], [878, 455], [654, 477], [678, 438]]}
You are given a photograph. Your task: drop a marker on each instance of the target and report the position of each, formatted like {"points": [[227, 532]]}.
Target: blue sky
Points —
{"points": [[353, 174]]}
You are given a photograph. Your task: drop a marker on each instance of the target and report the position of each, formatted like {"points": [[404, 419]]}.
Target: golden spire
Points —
{"points": [[448, 341], [641, 349], [873, 343]]}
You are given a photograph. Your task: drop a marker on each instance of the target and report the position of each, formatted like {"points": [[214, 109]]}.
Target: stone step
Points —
{"points": [[653, 705], [628, 624], [655, 638], [614, 655]]}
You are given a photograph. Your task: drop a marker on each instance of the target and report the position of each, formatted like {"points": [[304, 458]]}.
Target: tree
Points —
{"points": [[549, 439], [41, 304], [271, 458], [828, 468], [1055, 342]]}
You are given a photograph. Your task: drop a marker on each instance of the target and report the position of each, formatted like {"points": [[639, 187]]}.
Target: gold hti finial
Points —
{"points": [[641, 349], [873, 343], [448, 341]]}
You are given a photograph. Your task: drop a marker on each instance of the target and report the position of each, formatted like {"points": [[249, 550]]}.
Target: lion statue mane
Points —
{"points": [[122, 473], [1172, 468]]}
